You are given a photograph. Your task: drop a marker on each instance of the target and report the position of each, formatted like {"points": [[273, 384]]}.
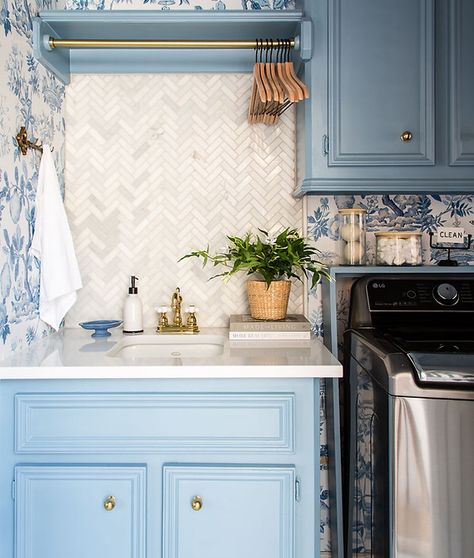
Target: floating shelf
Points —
{"points": [[132, 25], [357, 186]]}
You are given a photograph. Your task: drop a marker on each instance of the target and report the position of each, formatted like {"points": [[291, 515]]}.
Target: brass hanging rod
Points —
{"points": [[92, 43]]}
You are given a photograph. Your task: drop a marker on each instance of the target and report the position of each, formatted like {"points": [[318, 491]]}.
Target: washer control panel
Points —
{"points": [[420, 294]]}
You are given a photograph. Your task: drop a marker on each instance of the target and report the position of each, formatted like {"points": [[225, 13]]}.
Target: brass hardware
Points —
{"points": [[406, 135], [24, 143], [196, 503], [109, 503], [177, 325], [176, 301], [191, 322], [92, 43]]}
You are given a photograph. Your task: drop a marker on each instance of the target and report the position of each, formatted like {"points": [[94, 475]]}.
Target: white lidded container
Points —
{"points": [[352, 235], [398, 248]]}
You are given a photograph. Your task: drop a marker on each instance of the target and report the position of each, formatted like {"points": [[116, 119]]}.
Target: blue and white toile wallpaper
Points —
{"points": [[32, 97], [180, 4]]}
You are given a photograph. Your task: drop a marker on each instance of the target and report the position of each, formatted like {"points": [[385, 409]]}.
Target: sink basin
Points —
{"points": [[146, 347]]}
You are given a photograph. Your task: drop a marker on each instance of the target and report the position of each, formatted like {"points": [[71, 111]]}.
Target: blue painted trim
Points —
{"points": [[356, 186], [317, 462], [191, 17], [121, 61], [57, 62], [335, 472]]}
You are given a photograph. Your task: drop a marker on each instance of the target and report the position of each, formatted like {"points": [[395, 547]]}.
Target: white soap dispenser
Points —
{"points": [[133, 310]]}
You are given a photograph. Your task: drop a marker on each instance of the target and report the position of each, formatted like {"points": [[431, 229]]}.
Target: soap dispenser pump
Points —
{"points": [[132, 309]]}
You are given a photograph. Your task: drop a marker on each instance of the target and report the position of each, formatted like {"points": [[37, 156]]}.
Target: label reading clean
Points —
{"points": [[450, 235]]}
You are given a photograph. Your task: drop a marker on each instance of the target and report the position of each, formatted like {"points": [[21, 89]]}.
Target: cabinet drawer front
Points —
{"points": [[139, 423], [243, 511], [61, 511]]}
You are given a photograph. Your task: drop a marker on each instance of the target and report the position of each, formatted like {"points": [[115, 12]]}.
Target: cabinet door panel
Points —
{"points": [[246, 511], [461, 82], [60, 512], [381, 80]]}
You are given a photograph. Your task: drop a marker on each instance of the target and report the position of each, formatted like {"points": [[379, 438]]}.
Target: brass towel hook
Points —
{"points": [[24, 143]]}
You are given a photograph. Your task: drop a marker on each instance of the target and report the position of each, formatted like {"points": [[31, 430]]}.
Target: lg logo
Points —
{"points": [[378, 285]]}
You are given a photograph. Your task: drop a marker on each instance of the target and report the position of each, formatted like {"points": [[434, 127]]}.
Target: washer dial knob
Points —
{"points": [[446, 294]]}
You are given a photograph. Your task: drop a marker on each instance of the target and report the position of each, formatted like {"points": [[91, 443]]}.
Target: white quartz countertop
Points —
{"points": [[74, 354]]}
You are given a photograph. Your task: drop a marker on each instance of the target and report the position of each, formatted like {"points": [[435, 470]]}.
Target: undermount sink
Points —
{"points": [[167, 346]]}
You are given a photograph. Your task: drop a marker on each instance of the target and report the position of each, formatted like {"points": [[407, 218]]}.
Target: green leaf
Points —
{"points": [[287, 255]]}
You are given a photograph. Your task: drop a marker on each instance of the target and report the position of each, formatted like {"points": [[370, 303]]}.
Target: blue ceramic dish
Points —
{"points": [[100, 327]]}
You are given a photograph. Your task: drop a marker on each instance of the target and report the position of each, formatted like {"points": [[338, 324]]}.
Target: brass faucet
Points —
{"points": [[176, 301], [177, 326]]}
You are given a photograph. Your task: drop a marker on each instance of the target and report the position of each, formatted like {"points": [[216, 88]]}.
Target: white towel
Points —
{"points": [[52, 244]]}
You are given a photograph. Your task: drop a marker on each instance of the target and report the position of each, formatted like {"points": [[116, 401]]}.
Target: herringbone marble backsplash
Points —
{"points": [[159, 165]]}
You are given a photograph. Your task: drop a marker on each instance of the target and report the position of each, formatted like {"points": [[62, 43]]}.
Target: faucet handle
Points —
{"points": [[163, 320], [162, 309], [191, 322]]}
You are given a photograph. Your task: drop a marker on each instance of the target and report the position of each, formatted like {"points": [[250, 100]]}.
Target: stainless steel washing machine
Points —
{"points": [[409, 417]]}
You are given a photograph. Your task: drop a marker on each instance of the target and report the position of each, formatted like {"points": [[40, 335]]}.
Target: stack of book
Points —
{"points": [[294, 326]]}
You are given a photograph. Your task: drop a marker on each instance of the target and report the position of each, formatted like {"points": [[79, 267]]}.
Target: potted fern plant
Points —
{"points": [[275, 260]]}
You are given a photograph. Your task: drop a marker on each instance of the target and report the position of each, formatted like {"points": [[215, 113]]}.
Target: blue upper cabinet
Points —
{"points": [[391, 97], [369, 110], [461, 82]]}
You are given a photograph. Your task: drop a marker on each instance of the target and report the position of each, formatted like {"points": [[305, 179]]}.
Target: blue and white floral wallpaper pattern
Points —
{"points": [[29, 96], [180, 4]]}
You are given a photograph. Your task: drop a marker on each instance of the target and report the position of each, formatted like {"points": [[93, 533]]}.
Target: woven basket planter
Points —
{"points": [[268, 303]]}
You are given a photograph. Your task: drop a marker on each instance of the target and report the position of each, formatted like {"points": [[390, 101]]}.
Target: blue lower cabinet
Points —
{"points": [[232, 511], [80, 511], [159, 468]]}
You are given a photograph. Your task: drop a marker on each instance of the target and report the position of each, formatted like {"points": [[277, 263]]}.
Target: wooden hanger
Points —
{"points": [[284, 78], [258, 89], [302, 89], [275, 86], [276, 93]]}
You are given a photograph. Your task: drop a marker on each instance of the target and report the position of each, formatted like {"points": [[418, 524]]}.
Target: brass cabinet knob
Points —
{"points": [[196, 503], [109, 503], [406, 135]]}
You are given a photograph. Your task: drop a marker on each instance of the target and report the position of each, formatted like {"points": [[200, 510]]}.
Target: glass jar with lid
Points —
{"points": [[352, 229], [398, 248]]}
